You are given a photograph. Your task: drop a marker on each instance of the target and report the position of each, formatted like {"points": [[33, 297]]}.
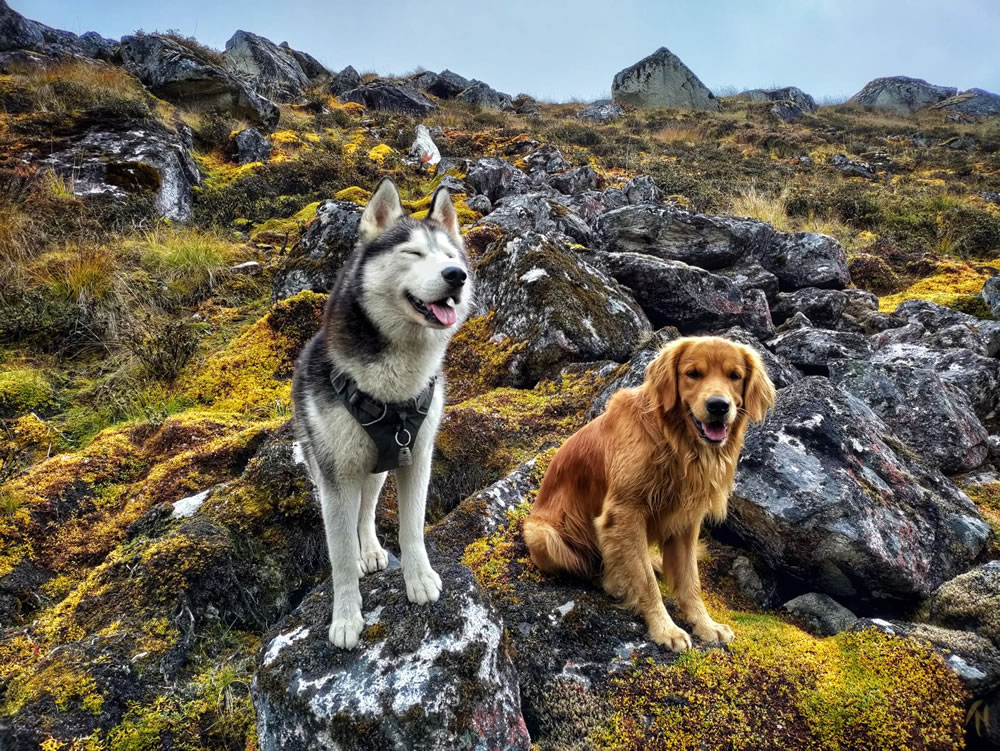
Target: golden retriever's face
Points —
{"points": [[713, 383]]}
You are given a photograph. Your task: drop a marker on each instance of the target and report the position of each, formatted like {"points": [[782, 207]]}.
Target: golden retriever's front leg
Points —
{"points": [[628, 573], [680, 564]]}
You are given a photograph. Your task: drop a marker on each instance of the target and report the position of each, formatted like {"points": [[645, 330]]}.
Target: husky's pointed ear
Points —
{"points": [[383, 210], [443, 211]]}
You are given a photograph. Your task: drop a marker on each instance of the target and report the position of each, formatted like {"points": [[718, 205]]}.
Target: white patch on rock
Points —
{"points": [[187, 507], [372, 618], [281, 641], [533, 275], [297, 455], [885, 626], [565, 608], [964, 670]]}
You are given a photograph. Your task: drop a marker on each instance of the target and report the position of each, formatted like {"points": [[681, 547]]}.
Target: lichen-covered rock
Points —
{"points": [[388, 96], [436, 677], [642, 189], [821, 613], [662, 80], [538, 212], [787, 111], [325, 245], [751, 275], [576, 181], [674, 234], [759, 590], [602, 111], [547, 159], [496, 178], [991, 295], [175, 73], [910, 401], [826, 495], [972, 103], [115, 163], [20, 34], [673, 293], [806, 259], [792, 94], [482, 95], [824, 307], [271, 70], [16, 31], [812, 350], [971, 602], [593, 203], [564, 309], [444, 85], [251, 146], [853, 167], [635, 374], [901, 94], [312, 67], [781, 372], [944, 328], [424, 151], [346, 80]]}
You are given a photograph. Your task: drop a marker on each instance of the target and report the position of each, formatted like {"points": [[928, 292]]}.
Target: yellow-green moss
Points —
{"points": [[287, 230], [22, 391], [951, 285], [354, 193], [379, 154], [490, 558], [476, 363]]}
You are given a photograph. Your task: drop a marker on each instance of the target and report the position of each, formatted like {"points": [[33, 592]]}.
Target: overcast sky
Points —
{"points": [[560, 51]]}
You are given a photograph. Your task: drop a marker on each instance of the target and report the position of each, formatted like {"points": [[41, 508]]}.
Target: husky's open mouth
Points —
{"points": [[441, 313], [711, 432]]}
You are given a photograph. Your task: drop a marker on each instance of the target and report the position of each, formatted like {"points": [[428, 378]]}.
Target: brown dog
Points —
{"points": [[658, 461]]}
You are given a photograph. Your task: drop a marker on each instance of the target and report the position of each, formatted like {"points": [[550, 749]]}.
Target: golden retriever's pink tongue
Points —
{"points": [[715, 431], [444, 313]]}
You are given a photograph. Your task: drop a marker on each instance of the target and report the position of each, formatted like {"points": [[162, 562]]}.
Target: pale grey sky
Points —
{"points": [[559, 51]]}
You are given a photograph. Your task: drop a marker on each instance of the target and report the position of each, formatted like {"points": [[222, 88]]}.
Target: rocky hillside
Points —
{"points": [[171, 217]]}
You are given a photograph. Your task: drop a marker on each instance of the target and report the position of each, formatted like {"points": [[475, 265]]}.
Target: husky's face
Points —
{"points": [[416, 272]]}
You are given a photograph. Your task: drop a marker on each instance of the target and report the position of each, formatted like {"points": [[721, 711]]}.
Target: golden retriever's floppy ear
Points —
{"points": [[661, 375], [384, 209], [442, 211], [758, 391]]}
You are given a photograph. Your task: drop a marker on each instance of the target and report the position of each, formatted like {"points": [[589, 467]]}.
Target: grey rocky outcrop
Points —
{"points": [[315, 260], [272, 70], [901, 94], [389, 96], [662, 80]]}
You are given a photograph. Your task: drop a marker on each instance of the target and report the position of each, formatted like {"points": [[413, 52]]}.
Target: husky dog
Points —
{"points": [[368, 391]]}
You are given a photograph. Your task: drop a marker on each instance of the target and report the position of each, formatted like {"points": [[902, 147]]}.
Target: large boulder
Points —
{"points": [[825, 494], [791, 94], [312, 67], [538, 212], [327, 242], [114, 164], [806, 259], [436, 677], [901, 94], [555, 307], [29, 41], [175, 73], [271, 70], [496, 178], [16, 31], [972, 103], [821, 613], [675, 234], [910, 400], [576, 181], [250, 145], [971, 602], [673, 293], [662, 80], [824, 307], [389, 96], [481, 95], [812, 350], [346, 80]]}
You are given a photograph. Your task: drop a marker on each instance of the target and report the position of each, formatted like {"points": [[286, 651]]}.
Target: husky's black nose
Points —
{"points": [[717, 406], [454, 276]]}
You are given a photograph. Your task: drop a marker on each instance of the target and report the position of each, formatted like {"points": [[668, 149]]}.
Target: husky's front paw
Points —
{"points": [[373, 559], [423, 585], [345, 629]]}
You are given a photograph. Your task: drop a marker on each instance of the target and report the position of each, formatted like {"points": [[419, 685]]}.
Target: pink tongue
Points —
{"points": [[716, 432], [444, 313]]}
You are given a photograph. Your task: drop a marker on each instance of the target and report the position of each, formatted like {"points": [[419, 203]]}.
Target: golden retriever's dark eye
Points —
{"points": [[734, 376], [694, 374]]}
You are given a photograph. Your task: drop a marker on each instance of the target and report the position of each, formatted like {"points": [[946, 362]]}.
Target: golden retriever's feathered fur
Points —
{"points": [[648, 471]]}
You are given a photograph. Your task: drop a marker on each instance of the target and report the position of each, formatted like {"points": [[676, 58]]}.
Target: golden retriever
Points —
{"points": [[658, 461]]}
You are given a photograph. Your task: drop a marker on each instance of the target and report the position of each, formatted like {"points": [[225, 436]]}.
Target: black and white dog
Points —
{"points": [[368, 391]]}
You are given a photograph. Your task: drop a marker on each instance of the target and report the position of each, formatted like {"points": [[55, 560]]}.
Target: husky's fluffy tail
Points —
{"points": [[550, 552]]}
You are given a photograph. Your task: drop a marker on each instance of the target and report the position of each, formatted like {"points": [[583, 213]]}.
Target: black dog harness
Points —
{"points": [[393, 427]]}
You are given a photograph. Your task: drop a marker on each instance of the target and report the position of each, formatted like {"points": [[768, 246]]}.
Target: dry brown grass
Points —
{"points": [[75, 85]]}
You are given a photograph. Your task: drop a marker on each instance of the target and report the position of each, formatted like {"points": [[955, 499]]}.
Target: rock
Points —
{"points": [[673, 293], [435, 678], [910, 400], [546, 159], [591, 204], [806, 259], [994, 446], [525, 105], [971, 602], [761, 593], [824, 307], [901, 94], [752, 275], [781, 372], [496, 178], [30, 42], [424, 150], [538, 212], [674, 234], [438, 85], [853, 167], [481, 95], [387, 96], [314, 262], [826, 495], [173, 72], [115, 164], [16, 31], [312, 67], [972, 103], [576, 181], [479, 204], [251, 146], [821, 613], [991, 295], [642, 189], [945, 328], [566, 310], [270, 69], [793, 94], [662, 80], [636, 371], [811, 350], [347, 80], [602, 111], [787, 112]]}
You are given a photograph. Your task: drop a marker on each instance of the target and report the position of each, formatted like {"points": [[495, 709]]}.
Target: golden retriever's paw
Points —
{"points": [[345, 629], [423, 585], [372, 560], [713, 632], [673, 638]]}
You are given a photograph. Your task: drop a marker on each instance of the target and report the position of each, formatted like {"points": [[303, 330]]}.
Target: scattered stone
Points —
{"points": [[602, 111], [481, 95], [388, 96], [576, 181], [496, 178], [793, 94], [853, 167], [251, 146], [991, 295], [662, 80], [763, 595], [971, 602], [315, 260], [424, 151], [642, 189], [546, 159], [824, 307], [480, 204], [806, 259], [811, 350], [347, 80], [823, 615], [538, 212]]}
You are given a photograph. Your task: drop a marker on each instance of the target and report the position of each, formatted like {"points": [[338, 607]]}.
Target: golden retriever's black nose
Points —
{"points": [[717, 406], [454, 276]]}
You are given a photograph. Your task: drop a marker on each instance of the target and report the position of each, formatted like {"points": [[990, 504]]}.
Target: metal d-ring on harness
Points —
{"points": [[393, 427]]}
